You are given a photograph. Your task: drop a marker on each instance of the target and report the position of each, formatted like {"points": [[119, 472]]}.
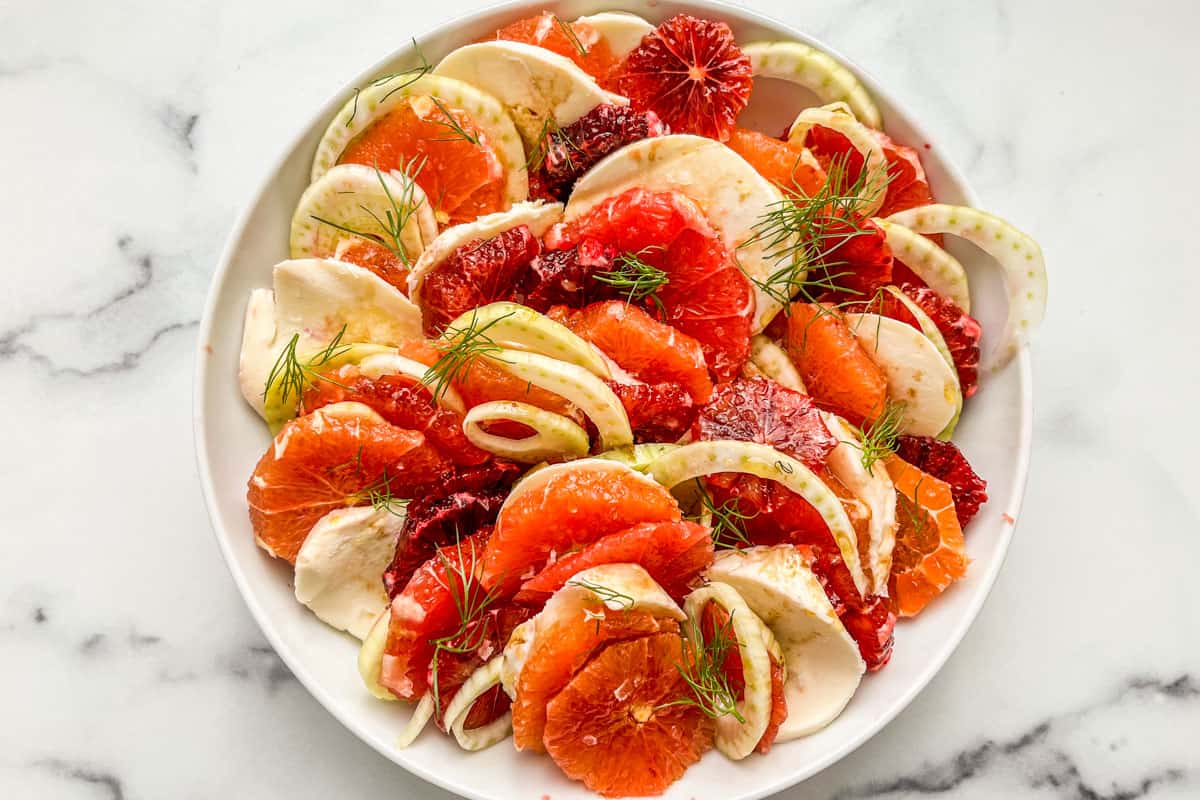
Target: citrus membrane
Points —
{"points": [[816, 71], [706, 458], [941, 271], [734, 738], [838, 117], [554, 436], [1020, 259]]}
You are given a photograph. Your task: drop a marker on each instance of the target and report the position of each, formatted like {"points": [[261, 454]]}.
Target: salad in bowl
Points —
{"points": [[615, 429]]}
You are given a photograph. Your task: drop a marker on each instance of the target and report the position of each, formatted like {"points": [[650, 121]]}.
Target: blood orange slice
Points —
{"points": [[440, 148], [837, 371], [930, 553], [328, 460], [691, 73], [576, 40], [400, 400], [944, 461], [658, 412], [782, 163], [907, 185], [618, 726], [566, 507], [559, 653], [674, 553], [647, 349], [701, 290]]}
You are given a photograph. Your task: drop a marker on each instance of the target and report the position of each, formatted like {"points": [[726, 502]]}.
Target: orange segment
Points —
{"points": [[778, 161], [837, 371], [930, 552], [375, 257], [616, 726], [582, 44], [558, 653], [572, 508], [463, 179], [321, 462]]}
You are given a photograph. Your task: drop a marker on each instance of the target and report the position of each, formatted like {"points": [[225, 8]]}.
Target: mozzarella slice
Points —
{"points": [[536, 86], [816, 71], [360, 198], [317, 298], [339, 564], [370, 656], [538, 216], [874, 489], [637, 590], [754, 641], [917, 374], [390, 92], [732, 195], [823, 663], [770, 361], [623, 31]]}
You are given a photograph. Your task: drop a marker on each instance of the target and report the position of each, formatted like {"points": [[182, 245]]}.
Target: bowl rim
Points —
{"points": [[201, 377]]}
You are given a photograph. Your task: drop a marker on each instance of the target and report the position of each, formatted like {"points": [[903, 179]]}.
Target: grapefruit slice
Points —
{"points": [[839, 374], [673, 553], [930, 552], [559, 652], [788, 165], [645, 348], [702, 291], [333, 458], [626, 702], [691, 73], [565, 507], [578, 41]]}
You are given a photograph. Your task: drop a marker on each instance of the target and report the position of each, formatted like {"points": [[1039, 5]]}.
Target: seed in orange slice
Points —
{"points": [[566, 510], [930, 553], [322, 461], [461, 175], [674, 553], [619, 727], [782, 163], [577, 41], [647, 349], [562, 650], [837, 371]]}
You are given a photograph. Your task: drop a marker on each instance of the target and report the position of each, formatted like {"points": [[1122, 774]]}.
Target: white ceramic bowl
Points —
{"points": [[995, 434]]}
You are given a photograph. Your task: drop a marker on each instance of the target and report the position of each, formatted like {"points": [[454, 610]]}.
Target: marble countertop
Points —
{"points": [[134, 131]]}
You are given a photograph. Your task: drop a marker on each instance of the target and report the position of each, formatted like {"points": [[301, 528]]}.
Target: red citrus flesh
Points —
{"points": [[944, 461]]}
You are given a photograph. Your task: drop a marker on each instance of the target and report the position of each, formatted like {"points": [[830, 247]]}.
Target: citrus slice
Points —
{"points": [[332, 458], [747, 647], [788, 165], [455, 141], [873, 166], [554, 436], [1020, 259], [822, 660], [691, 73], [939, 270], [944, 461], [568, 506], [559, 652], [838, 372], [701, 290], [731, 194], [539, 88], [643, 347], [767, 359], [621, 30], [673, 553], [626, 700], [930, 552], [339, 564], [816, 71], [579, 41], [707, 458], [357, 205]]}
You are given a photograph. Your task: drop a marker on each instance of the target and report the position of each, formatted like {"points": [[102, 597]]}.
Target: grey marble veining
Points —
{"points": [[133, 132]]}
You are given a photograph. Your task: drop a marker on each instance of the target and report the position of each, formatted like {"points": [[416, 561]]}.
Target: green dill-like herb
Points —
{"points": [[635, 278], [877, 439], [454, 130], [569, 32], [292, 376], [395, 218], [381, 497], [461, 346], [726, 521], [703, 669], [406, 77], [606, 594]]}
